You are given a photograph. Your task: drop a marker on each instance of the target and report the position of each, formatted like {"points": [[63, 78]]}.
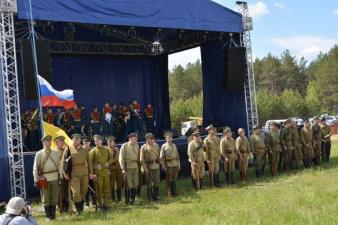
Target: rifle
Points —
{"points": [[60, 197], [95, 183]]}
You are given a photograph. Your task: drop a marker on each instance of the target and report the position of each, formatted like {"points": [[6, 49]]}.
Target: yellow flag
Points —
{"points": [[54, 131]]}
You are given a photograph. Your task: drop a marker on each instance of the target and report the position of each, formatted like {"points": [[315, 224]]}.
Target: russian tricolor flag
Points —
{"points": [[51, 97]]}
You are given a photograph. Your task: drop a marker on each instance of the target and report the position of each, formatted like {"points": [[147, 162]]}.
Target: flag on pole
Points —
{"points": [[51, 97], [54, 131]]}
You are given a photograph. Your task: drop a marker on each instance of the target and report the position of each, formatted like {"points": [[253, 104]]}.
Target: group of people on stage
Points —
{"points": [[116, 120], [79, 172]]}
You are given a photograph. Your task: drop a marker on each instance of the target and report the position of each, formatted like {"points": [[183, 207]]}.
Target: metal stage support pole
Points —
{"points": [[249, 84], [11, 98]]}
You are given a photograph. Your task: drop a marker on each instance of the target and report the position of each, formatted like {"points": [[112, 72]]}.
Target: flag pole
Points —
{"points": [[35, 63]]}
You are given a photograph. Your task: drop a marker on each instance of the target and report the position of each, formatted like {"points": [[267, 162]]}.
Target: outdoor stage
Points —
{"points": [[118, 51]]}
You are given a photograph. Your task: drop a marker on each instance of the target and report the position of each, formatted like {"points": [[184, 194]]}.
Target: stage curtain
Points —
{"points": [[118, 80], [221, 107]]}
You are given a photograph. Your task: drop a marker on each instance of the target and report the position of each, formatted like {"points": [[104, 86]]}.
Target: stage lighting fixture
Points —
{"points": [[157, 47]]}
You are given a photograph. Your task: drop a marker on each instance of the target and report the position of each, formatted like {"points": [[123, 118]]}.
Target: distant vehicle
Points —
{"points": [[265, 128], [331, 120], [193, 122]]}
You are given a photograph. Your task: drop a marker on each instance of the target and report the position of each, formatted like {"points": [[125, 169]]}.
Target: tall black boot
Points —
{"points": [[118, 194], [150, 193], [82, 205], [156, 193], [133, 195], [193, 182], [257, 173], [227, 178], [47, 212], [113, 195], [216, 180], [65, 204], [78, 208], [173, 188], [52, 212], [127, 194], [201, 183], [231, 178], [139, 188]]}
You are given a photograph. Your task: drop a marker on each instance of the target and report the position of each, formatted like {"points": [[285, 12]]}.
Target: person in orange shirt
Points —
{"points": [[77, 119], [95, 121]]}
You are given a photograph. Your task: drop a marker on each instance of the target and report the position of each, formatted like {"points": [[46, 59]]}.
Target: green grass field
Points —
{"points": [[302, 197]]}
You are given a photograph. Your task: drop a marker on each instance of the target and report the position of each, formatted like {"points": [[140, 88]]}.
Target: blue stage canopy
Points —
{"points": [[203, 15]]}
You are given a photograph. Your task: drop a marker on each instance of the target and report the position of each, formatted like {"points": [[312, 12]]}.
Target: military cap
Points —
{"points": [[61, 138], [46, 138], [76, 136], [132, 135], [97, 136], [149, 136], [226, 129], [256, 127], [86, 138], [168, 133], [196, 134], [110, 138], [209, 127]]}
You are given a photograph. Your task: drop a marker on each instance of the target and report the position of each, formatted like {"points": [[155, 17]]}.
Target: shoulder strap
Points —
{"points": [[45, 160], [8, 219]]}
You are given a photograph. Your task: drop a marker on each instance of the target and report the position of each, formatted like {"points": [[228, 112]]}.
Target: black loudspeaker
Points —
{"points": [[235, 68], [43, 61]]}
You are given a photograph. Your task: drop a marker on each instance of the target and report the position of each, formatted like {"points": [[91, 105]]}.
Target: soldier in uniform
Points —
{"points": [[78, 172], [317, 140], [100, 159], [258, 148], [229, 154], [129, 160], [212, 154], [63, 201], [46, 165], [170, 161], [326, 142], [286, 141], [95, 120], [150, 161], [116, 177], [196, 158], [243, 147], [297, 155], [274, 147], [307, 141]]}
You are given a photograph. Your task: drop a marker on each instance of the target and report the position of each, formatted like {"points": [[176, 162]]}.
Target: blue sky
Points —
{"points": [[303, 27]]}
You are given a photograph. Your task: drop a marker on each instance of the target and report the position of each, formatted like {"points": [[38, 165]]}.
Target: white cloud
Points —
{"points": [[258, 9], [306, 46], [185, 57], [279, 5], [335, 12]]}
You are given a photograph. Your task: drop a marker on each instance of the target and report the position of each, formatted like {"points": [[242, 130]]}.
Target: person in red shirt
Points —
{"points": [[50, 116], [149, 116], [95, 121], [136, 117], [77, 119]]}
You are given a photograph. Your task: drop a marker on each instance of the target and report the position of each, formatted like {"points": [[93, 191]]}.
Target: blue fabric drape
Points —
{"points": [[203, 15], [222, 107], [116, 79]]}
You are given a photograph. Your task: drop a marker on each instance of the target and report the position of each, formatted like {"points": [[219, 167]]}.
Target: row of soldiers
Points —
{"points": [[106, 170], [70, 172]]}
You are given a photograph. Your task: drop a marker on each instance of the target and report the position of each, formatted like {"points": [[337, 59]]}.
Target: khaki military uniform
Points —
{"points": [[243, 147], [297, 155], [116, 177], [326, 142], [258, 148], [47, 162], [80, 170], [274, 145], [129, 160], [196, 154], [286, 141], [170, 162], [307, 147], [150, 159], [317, 134], [228, 151], [212, 154], [100, 159], [63, 201]]}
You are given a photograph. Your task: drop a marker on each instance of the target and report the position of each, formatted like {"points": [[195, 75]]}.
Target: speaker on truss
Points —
{"points": [[43, 61], [235, 68]]}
